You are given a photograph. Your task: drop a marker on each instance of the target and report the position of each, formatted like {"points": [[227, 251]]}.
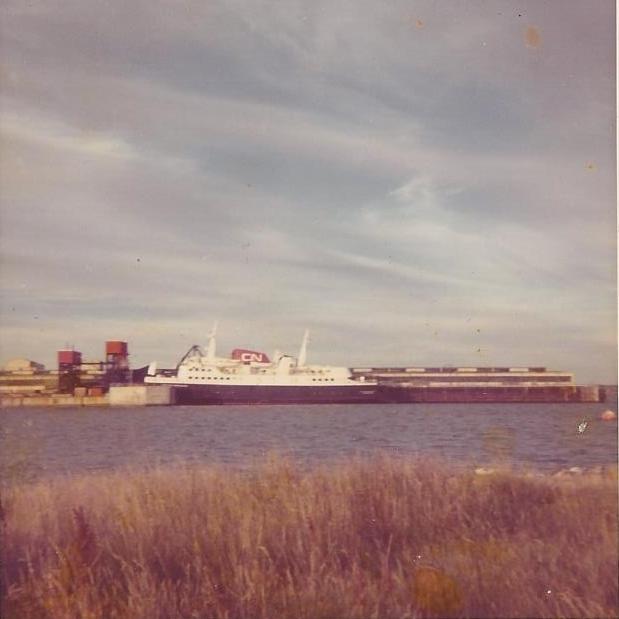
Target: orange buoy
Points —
{"points": [[608, 415]]}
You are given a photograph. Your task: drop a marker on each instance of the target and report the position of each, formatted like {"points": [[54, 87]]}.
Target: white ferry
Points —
{"points": [[250, 377]]}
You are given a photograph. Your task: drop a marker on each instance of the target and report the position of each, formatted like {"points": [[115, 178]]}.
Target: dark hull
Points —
{"points": [[234, 394], [377, 394]]}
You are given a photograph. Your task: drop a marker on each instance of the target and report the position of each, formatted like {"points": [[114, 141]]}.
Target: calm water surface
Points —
{"points": [[540, 436]]}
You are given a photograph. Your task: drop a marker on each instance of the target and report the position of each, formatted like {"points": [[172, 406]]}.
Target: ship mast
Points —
{"points": [[301, 359], [210, 350]]}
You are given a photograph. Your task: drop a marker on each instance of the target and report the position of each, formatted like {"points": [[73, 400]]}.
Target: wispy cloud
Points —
{"points": [[413, 180]]}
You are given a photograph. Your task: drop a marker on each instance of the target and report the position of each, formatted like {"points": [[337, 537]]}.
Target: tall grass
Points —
{"points": [[365, 538]]}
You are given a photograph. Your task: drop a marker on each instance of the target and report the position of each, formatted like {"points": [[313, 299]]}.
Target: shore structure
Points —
{"points": [[251, 377], [479, 384]]}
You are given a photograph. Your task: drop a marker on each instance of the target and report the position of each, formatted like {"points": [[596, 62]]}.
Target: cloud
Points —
{"points": [[56, 137], [334, 166]]}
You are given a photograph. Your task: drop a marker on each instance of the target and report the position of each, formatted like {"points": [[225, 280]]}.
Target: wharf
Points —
{"points": [[389, 392], [118, 395], [58, 400]]}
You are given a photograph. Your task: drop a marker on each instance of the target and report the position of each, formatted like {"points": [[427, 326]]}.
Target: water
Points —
{"points": [[544, 437]]}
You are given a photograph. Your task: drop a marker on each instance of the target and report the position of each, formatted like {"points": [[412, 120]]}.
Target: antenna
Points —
{"points": [[303, 350], [210, 350]]}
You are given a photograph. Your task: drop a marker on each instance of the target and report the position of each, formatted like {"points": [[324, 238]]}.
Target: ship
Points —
{"points": [[251, 377]]}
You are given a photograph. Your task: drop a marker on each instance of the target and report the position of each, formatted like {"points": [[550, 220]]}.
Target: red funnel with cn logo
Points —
{"points": [[249, 356]]}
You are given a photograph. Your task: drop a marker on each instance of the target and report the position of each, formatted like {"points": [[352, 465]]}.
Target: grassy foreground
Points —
{"points": [[365, 538]]}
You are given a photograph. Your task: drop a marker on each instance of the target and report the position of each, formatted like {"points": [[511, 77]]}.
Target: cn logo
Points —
{"points": [[249, 356]]}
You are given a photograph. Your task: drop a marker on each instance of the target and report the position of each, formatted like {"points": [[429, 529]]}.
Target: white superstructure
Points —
{"points": [[250, 369]]}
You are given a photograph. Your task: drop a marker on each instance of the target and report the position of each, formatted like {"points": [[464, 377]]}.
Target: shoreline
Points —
{"points": [[168, 395], [104, 401], [594, 473]]}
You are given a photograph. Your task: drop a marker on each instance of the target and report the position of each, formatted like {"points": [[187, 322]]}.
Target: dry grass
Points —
{"points": [[374, 538]]}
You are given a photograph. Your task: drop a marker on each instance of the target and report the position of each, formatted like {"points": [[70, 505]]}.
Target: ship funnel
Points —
{"points": [[301, 359], [152, 368], [211, 348]]}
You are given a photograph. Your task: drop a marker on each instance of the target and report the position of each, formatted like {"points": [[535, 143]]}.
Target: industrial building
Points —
{"points": [[73, 376], [478, 384], [23, 376], [75, 373]]}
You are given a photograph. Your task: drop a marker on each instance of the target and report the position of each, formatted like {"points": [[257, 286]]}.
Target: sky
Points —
{"points": [[418, 183]]}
